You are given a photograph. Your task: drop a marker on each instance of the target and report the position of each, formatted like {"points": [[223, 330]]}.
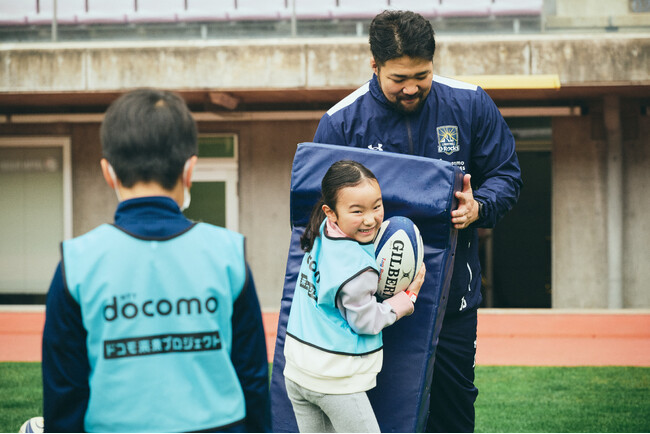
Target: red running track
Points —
{"points": [[528, 337]]}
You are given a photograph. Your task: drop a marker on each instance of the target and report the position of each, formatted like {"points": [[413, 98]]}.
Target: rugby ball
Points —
{"points": [[399, 253], [34, 424]]}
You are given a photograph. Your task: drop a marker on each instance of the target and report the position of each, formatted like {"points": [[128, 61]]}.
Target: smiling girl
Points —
{"points": [[333, 348]]}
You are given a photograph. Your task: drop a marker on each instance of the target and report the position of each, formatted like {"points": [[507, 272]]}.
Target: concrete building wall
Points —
{"points": [[579, 245], [580, 242], [636, 215], [266, 149], [93, 201], [266, 152], [580, 259], [266, 156], [309, 63]]}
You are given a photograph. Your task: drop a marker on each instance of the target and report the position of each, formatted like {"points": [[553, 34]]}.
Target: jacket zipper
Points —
{"points": [[410, 135]]}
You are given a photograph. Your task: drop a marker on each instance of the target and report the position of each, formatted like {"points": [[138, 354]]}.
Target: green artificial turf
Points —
{"points": [[511, 398], [21, 394], [562, 399]]}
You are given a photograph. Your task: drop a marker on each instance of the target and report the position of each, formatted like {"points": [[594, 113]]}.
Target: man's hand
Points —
{"points": [[467, 211]]}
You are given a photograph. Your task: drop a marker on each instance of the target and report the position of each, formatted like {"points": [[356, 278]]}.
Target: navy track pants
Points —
{"points": [[453, 392]]}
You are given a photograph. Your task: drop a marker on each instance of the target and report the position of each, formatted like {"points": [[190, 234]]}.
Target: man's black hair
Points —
{"points": [[147, 135], [396, 34]]}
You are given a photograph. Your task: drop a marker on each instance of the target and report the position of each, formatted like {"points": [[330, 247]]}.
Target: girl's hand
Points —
{"points": [[415, 286]]}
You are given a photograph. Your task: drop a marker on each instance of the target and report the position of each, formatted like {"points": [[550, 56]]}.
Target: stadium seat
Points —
{"points": [[313, 10], [426, 8], [14, 12], [466, 8], [156, 11], [67, 11], [359, 9], [207, 10], [516, 7], [108, 11], [260, 10]]}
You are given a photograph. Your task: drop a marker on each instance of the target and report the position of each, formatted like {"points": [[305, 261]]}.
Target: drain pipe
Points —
{"points": [[294, 24], [612, 116], [55, 24]]}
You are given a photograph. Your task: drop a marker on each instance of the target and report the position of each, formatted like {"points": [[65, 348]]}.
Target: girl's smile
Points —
{"points": [[359, 210]]}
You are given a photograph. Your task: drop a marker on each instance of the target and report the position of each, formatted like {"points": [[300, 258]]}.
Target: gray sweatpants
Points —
{"points": [[318, 412]]}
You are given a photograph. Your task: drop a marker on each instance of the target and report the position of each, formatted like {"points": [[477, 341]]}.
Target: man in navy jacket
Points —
{"points": [[405, 108]]}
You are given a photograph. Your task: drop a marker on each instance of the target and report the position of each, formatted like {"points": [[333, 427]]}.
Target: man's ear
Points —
{"points": [[329, 212], [106, 172], [187, 175], [373, 65]]}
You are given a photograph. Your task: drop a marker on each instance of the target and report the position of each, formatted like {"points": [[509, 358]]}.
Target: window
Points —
{"points": [[214, 183]]}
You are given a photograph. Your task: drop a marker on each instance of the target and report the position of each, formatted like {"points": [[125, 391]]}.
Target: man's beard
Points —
{"points": [[412, 108], [398, 106]]}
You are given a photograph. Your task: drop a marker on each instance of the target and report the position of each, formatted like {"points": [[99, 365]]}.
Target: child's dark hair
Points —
{"points": [[343, 173], [147, 135]]}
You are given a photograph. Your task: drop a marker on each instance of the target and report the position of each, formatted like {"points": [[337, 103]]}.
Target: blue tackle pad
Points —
{"points": [[421, 189]]}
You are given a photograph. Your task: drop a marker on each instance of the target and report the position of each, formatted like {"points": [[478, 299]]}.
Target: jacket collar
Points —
{"points": [[152, 217], [377, 93]]}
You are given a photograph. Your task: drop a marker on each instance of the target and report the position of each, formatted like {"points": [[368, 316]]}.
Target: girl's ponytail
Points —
{"points": [[313, 227]]}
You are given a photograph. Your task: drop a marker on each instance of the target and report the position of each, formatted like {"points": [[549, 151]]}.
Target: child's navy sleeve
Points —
{"points": [[65, 361], [249, 357]]}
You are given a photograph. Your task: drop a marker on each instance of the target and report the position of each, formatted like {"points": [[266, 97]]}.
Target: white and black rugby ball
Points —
{"points": [[399, 253], [34, 424]]}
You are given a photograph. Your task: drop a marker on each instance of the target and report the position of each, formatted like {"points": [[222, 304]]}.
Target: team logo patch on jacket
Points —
{"points": [[448, 139]]}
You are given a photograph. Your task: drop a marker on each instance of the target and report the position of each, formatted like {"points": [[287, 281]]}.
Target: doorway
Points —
{"points": [[36, 203], [516, 254]]}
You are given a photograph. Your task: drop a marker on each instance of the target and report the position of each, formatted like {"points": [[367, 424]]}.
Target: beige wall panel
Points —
{"points": [[266, 151], [582, 60], [190, 66], [346, 63], [93, 200], [636, 216], [579, 251], [309, 63], [469, 56], [32, 69]]}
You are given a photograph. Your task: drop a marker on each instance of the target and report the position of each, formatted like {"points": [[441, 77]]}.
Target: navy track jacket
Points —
{"points": [[459, 123]]}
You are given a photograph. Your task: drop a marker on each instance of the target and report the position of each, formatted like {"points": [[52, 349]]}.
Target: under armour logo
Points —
{"points": [[376, 148]]}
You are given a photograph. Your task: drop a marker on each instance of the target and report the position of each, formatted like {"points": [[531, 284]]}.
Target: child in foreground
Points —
{"points": [[333, 348], [153, 323]]}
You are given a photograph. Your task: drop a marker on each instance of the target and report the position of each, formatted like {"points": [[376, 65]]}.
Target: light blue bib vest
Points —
{"points": [[314, 318], [158, 316]]}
